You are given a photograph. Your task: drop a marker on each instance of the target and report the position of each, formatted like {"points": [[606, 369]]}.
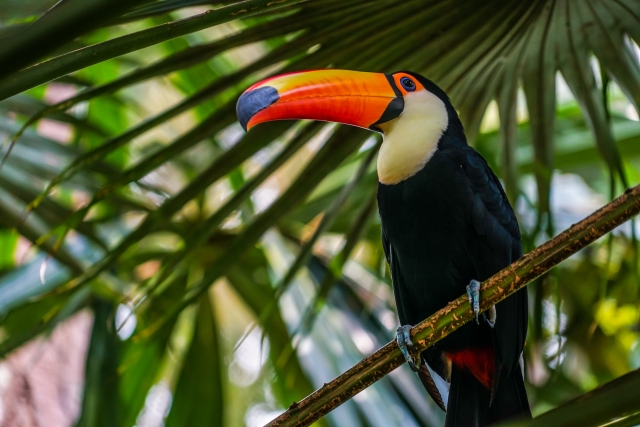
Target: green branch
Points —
{"points": [[458, 312]]}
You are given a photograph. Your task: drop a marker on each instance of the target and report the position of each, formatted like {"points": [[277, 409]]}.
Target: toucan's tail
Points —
{"points": [[469, 400]]}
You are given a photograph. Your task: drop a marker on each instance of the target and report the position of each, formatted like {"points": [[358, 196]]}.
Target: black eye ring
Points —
{"points": [[408, 84]]}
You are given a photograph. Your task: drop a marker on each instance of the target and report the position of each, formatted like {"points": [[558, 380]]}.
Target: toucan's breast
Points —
{"points": [[411, 139], [427, 224]]}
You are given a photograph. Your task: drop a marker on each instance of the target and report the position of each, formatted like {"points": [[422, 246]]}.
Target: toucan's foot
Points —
{"points": [[403, 337], [473, 290]]}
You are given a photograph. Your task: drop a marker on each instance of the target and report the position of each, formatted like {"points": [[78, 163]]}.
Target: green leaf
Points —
{"points": [[62, 23], [100, 397], [8, 242], [82, 58], [614, 400], [187, 58], [336, 265], [507, 105], [25, 322], [201, 234], [606, 37], [326, 222], [199, 394], [10, 218], [142, 360], [292, 381], [539, 84], [342, 143], [580, 78]]}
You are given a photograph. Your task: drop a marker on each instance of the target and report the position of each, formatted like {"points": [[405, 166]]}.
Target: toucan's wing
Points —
{"points": [[395, 276], [492, 215], [386, 246], [432, 355], [497, 244]]}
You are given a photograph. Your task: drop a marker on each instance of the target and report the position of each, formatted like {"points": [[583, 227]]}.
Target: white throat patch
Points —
{"points": [[411, 139]]}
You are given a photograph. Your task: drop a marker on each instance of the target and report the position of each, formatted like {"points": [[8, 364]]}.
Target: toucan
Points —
{"points": [[446, 226]]}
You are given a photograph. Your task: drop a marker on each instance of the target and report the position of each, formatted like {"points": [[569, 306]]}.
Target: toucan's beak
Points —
{"points": [[350, 97]]}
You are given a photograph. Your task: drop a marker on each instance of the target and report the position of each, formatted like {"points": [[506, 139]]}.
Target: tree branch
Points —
{"points": [[458, 312]]}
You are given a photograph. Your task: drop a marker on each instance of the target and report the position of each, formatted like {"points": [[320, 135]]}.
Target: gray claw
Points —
{"points": [[491, 319], [403, 337], [473, 290]]}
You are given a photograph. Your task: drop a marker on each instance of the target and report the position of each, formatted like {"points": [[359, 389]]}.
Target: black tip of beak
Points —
{"points": [[250, 103]]}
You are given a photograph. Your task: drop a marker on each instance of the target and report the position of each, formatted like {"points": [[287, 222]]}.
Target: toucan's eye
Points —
{"points": [[408, 84]]}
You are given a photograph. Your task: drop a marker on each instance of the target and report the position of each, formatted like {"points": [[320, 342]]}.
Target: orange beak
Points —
{"points": [[350, 97]]}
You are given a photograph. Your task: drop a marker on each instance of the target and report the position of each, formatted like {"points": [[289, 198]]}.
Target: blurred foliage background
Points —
{"points": [[230, 274]]}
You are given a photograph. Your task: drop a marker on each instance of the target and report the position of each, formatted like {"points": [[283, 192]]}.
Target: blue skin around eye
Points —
{"points": [[407, 84]]}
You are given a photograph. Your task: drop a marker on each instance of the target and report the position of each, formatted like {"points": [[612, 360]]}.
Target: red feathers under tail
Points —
{"points": [[479, 361], [470, 401]]}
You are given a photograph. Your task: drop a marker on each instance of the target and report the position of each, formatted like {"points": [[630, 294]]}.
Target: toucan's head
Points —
{"points": [[410, 111]]}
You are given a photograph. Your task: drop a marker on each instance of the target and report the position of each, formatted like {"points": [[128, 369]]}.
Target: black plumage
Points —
{"points": [[448, 224]]}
